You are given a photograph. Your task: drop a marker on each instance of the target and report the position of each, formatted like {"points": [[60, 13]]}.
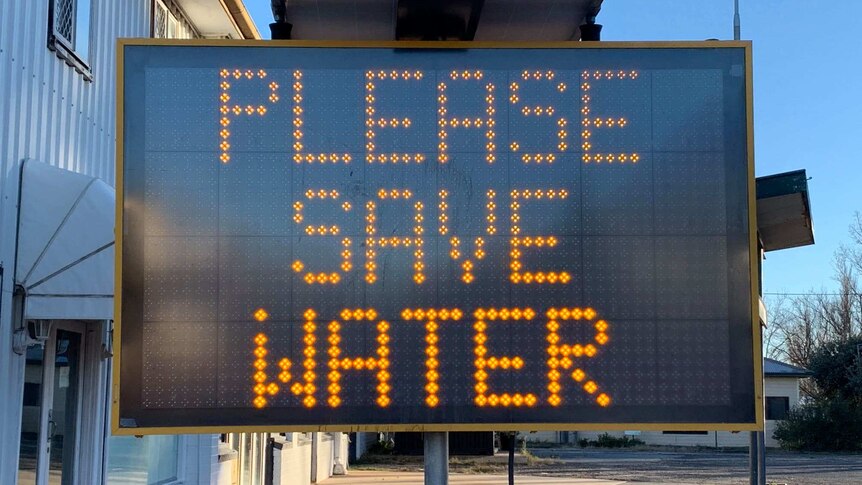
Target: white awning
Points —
{"points": [[65, 244]]}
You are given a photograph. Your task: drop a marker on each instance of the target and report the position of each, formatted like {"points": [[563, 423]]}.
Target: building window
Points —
{"points": [[69, 32], [777, 407], [169, 21], [685, 432]]}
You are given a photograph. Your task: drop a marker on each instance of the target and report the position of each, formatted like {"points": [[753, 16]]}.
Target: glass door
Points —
{"points": [[64, 416], [52, 408], [31, 411]]}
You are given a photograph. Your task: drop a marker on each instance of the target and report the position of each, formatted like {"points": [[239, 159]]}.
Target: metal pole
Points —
{"points": [[752, 458], [315, 442], [736, 32], [512, 457], [436, 450], [761, 459]]}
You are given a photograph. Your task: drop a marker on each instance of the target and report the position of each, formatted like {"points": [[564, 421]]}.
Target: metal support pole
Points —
{"points": [[752, 458], [315, 443], [761, 459], [436, 449], [512, 443]]}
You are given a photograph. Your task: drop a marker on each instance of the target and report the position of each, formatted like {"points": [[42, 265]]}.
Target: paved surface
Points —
{"points": [[636, 467], [701, 467], [414, 478]]}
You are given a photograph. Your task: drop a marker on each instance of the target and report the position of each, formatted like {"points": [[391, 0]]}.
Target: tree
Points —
{"points": [[823, 332], [837, 368], [800, 325]]}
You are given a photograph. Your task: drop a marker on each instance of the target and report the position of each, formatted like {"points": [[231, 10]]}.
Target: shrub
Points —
{"points": [[607, 441], [826, 425]]}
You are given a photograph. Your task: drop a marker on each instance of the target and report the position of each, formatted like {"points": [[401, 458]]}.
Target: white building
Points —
{"points": [[57, 139], [781, 385]]}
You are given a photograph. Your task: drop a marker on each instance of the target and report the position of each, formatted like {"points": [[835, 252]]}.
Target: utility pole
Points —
{"points": [[736, 31]]}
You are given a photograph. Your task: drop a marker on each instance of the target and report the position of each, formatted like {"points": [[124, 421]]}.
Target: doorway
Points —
{"points": [[51, 417]]}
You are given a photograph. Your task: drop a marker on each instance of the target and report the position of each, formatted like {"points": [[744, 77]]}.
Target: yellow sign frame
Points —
{"points": [[757, 356]]}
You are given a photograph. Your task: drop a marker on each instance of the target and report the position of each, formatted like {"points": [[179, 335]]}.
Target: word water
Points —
{"points": [[562, 357]]}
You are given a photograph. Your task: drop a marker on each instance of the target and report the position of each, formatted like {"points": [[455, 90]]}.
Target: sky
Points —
{"points": [[807, 103]]}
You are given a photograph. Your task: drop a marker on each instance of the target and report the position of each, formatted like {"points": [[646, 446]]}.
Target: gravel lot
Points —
{"points": [[707, 467], [654, 465]]}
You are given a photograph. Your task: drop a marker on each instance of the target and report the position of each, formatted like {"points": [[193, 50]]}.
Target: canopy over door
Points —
{"points": [[65, 244]]}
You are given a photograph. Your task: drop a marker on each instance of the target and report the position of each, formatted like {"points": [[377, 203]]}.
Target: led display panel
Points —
{"points": [[435, 236]]}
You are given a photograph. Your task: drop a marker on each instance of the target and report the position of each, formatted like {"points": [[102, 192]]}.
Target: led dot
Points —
{"points": [[603, 399]]}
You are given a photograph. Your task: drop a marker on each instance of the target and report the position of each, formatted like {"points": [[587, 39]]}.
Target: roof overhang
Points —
{"points": [[784, 211], [482, 20], [220, 18]]}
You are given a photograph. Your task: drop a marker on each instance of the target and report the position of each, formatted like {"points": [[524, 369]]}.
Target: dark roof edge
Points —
{"points": [[792, 370], [782, 174]]}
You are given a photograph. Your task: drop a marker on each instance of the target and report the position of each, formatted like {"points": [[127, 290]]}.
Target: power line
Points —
{"points": [[813, 294]]}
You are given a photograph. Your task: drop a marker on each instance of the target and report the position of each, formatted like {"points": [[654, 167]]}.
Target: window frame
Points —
{"points": [[183, 28], [65, 48], [768, 415]]}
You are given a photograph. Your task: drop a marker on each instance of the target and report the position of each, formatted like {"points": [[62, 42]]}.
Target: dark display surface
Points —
{"points": [[404, 238]]}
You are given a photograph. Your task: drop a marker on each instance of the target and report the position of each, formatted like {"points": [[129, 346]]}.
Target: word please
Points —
{"points": [[483, 120], [562, 357]]}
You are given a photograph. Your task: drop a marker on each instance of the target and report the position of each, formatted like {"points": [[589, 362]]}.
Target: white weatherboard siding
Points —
{"points": [[292, 463], [780, 386], [783, 386], [49, 113], [773, 386]]}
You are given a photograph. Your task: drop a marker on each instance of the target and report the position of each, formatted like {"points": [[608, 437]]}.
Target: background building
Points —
{"points": [[57, 105], [781, 385]]}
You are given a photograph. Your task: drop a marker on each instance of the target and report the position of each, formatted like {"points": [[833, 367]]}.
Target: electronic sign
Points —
{"points": [[435, 236]]}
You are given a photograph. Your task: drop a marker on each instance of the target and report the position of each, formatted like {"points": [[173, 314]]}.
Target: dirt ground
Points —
{"points": [[657, 465]]}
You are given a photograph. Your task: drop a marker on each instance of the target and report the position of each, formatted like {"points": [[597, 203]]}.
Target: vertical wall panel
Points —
{"points": [[48, 112]]}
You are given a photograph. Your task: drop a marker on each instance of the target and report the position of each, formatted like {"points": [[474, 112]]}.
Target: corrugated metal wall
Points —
{"points": [[48, 112]]}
